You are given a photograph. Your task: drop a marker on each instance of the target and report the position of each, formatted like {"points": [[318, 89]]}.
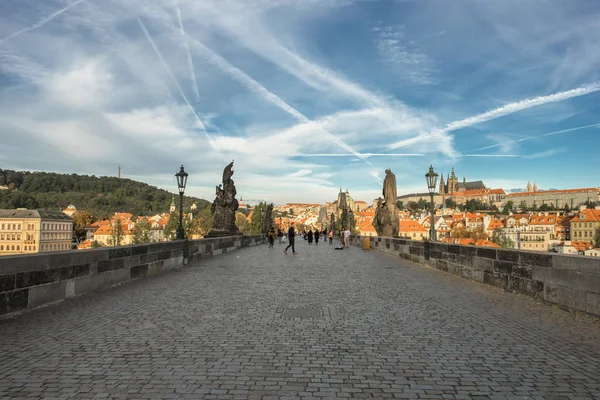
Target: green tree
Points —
{"points": [[256, 222], [241, 221], [413, 206], [400, 205], [450, 203], [100, 196], [597, 237], [502, 240], [82, 220], [523, 206], [170, 229], [95, 244], [423, 204], [116, 233], [141, 231], [508, 207], [566, 208], [22, 200], [204, 222], [590, 204]]}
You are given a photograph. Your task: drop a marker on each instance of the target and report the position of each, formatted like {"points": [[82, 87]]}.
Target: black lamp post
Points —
{"points": [[431, 178], [181, 182]]}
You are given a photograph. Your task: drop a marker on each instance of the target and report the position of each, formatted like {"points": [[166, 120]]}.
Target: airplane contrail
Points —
{"points": [[162, 60], [42, 22], [187, 49], [536, 137], [501, 112], [271, 97], [364, 154], [521, 105]]}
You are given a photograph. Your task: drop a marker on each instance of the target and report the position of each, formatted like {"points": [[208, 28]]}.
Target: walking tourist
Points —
{"points": [[271, 237], [291, 237], [310, 236], [331, 237], [317, 237], [279, 235], [347, 237]]}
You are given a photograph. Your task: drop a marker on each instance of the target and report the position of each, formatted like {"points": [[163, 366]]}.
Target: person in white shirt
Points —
{"points": [[347, 237]]}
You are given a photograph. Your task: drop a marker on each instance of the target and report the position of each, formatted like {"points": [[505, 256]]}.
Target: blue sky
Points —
{"points": [[305, 95]]}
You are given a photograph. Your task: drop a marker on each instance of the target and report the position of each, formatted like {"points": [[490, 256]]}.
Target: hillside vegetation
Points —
{"points": [[102, 196]]}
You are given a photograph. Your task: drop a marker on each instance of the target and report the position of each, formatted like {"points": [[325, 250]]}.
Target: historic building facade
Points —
{"points": [[25, 231], [584, 225], [556, 198]]}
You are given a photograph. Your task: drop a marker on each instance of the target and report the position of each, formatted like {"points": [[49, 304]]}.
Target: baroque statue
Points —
{"points": [[268, 219], [343, 206], [224, 207], [386, 215]]}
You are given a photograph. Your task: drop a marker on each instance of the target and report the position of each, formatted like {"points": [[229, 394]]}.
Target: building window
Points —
{"points": [[1, 248], [19, 227], [13, 247]]}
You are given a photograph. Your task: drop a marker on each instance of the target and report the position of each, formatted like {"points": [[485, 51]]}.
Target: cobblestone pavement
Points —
{"points": [[322, 324]]}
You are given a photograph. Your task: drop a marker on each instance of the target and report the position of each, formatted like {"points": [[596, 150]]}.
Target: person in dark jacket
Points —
{"points": [[279, 235], [291, 237], [271, 237], [310, 236], [317, 237]]}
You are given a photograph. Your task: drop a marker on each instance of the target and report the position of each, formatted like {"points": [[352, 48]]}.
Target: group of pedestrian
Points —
{"points": [[272, 235], [309, 236]]}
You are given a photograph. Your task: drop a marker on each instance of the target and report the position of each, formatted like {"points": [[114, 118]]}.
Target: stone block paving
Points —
{"points": [[256, 324]]}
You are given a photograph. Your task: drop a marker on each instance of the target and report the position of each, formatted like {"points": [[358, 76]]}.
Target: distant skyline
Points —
{"points": [[306, 96]]}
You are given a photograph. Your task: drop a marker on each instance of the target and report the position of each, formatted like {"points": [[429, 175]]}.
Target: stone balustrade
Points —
{"points": [[567, 281], [28, 281]]}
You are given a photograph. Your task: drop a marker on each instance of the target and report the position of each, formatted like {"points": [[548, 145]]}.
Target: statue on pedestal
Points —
{"points": [[343, 206], [332, 226], [385, 221], [225, 206], [268, 219]]}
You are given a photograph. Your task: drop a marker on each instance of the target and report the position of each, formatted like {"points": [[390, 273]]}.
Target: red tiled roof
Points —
{"points": [[408, 225], [486, 243], [589, 215]]}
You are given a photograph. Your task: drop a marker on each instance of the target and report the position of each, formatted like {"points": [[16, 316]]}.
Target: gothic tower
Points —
{"points": [[172, 207], [442, 185], [452, 182]]}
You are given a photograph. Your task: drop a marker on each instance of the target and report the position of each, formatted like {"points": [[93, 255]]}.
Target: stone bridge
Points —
{"points": [[256, 324]]}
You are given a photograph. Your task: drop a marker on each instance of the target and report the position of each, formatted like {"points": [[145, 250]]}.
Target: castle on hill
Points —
{"points": [[452, 185]]}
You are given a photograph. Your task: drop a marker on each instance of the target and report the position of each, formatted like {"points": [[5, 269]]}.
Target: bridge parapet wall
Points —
{"points": [[568, 281], [28, 281]]}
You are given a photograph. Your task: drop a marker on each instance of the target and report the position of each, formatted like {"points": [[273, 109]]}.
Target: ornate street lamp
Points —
{"points": [[181, 182], [431, 178]]}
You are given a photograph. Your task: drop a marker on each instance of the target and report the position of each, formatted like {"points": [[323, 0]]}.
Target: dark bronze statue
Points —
{"points": [[386, 221], [268, 219], [225, 206]]}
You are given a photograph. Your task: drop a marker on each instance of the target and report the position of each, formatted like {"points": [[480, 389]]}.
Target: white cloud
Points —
{"points": [[541, 154], [403, 57], [302, 172]]}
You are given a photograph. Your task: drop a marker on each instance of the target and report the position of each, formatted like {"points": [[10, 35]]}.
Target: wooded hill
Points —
{"points": [[102, 196]]}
